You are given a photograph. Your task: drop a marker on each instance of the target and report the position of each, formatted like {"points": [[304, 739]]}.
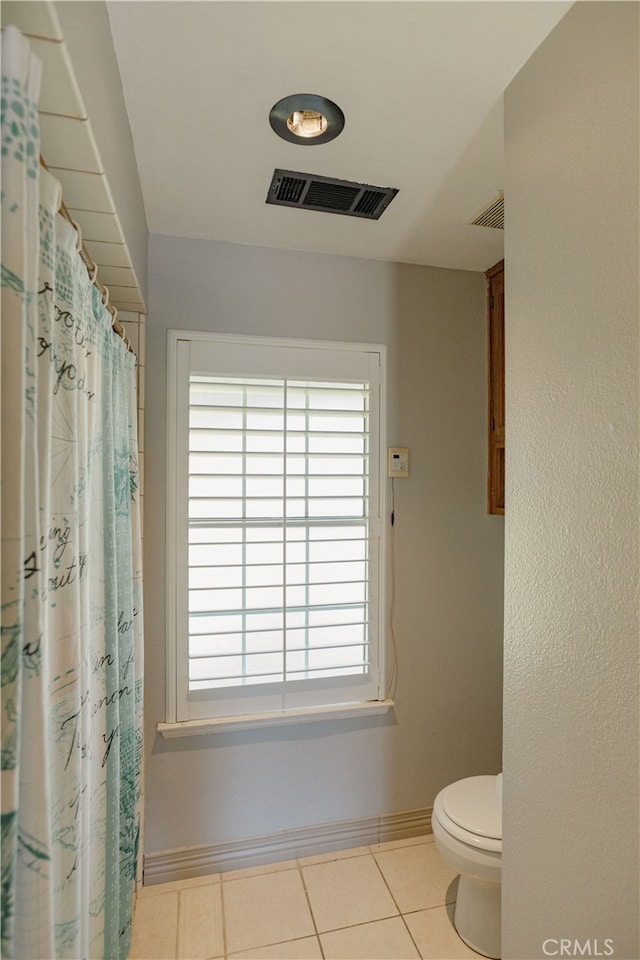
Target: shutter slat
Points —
{"points": [[319, 626], [289, 650]]}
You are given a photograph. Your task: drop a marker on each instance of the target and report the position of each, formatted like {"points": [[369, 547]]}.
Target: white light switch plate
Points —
{"points": [[398, 462]]}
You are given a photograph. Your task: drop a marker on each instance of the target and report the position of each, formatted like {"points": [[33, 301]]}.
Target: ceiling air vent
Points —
{"points": [[311, 192], [492, 215]]}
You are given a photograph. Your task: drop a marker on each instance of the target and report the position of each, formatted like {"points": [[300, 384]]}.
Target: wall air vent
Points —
{"points": [[311, 192], [492, 215]]}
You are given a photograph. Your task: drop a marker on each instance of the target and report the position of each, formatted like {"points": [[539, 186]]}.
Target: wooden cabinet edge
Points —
{"points": [[495, 441]]}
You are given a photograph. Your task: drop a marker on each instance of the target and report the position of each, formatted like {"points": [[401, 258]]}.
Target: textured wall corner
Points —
{"points": [[571, 558]]}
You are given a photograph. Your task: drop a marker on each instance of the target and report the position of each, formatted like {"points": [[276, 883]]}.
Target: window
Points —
{"points": [[274, 507]]}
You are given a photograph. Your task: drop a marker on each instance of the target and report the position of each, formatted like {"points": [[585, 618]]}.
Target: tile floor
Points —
{"points": [[386, 902]]}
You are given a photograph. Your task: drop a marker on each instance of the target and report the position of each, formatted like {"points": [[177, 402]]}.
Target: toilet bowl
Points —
{"points": [[467, 828]]}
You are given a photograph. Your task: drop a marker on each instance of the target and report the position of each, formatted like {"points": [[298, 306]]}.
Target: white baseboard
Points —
{"points": [[188, 862]]}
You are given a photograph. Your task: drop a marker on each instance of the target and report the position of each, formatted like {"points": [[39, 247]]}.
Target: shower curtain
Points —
{"points": [[71, 575]]}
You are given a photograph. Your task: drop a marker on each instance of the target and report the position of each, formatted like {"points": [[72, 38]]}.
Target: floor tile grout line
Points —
{"points": [[268, 946], [313, 918], [178, 917], [276, 943], [406, 925], [363, 851], [384, 880], [349, 926], [365, 923], [223, 915]]}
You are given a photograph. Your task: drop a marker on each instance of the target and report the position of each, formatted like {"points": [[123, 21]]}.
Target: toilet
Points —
{"points": [[467, 828]]}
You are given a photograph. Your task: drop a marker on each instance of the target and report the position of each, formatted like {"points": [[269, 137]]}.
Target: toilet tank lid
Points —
{"points": [[475, 804]]}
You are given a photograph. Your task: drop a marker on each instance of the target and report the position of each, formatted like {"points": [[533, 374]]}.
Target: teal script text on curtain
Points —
{"points": [[71, 572]]}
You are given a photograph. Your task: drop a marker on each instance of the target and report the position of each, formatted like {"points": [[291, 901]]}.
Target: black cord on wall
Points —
{"points": [[393, 670]]}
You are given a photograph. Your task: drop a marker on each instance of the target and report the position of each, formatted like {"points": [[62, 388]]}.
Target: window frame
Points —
{"points": [[178, 371]]}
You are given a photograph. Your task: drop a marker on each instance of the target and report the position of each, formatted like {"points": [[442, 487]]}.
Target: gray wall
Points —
{"points": [[571, 824], [448, 552]]}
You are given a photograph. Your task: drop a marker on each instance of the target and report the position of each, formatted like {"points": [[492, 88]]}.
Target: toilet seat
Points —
{"points": [[471, 811], [467, 829]]}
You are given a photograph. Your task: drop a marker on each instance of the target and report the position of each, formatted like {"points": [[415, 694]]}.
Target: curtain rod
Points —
{"points": [[92, 270]]}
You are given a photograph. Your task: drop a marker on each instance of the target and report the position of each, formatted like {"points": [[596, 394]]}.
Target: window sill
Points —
{"points": [[341, 711]]}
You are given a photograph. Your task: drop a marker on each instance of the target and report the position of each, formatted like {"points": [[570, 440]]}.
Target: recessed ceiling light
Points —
{"points": [[307, 123], [306, 118]]}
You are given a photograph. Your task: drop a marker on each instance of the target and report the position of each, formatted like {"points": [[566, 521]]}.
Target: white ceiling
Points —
{"points": [[420, 84]]}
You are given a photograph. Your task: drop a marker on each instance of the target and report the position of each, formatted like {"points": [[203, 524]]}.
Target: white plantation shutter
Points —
{"points": [[277, 461]]}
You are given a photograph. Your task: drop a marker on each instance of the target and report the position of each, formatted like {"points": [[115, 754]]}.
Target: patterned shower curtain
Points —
{"points": [[71, 575]]}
